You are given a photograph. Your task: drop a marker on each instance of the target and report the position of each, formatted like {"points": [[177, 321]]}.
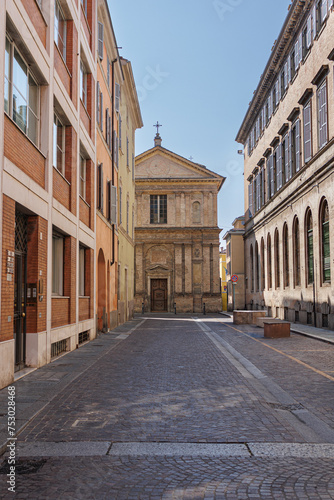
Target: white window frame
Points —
{"points": [[31, 115], [57, 123], [322, 114], [57, 265], [58, 18], [82, 270], [83, 178], [83, 84]]}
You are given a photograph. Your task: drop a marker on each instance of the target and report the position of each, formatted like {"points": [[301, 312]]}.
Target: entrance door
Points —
{"points": [[158, 295], [20, 310]]}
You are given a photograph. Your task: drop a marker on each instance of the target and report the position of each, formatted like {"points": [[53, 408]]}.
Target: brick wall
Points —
{"points": [[36, 18], [37, 273], [60, 311], [89, 283], [84, 308], [20, 151], [62, 70], [72, 58], [84, 212], [70, 275], [7, 288], [61, 189]]}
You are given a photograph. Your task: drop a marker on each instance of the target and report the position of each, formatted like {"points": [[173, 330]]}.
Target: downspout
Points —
{"points": [[113, 149]]}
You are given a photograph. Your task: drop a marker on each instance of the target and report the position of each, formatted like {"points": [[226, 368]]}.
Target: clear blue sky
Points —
{"points": [[196, 64]]}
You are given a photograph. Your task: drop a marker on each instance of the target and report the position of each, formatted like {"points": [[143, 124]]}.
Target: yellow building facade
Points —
{"points": [[223, 279], [129, 120]]}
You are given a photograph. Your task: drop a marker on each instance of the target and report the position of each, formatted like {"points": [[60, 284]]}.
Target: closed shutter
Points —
{"points": [[257, 191], [268, 179], [296, 54], [307, 133], [100, 39], [272, 176], [314, 21], [291, 156], [113, 204], [101, 111], [309, 32], [278, 91], [287, 159], [322, 114], [100, 187], [250, 199], [98, 103], [330, 4], [278, 167], [300, 48], [107, 125], [285, 82], [263, 186], [289, 68], [108, 71], [323, 10], [117, 96], [297, 146], [109, 144]]}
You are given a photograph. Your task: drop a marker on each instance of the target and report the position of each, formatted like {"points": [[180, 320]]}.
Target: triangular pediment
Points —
{"points": [[159, 163]]}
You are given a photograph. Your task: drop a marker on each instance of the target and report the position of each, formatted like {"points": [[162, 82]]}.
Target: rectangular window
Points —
{"points": [[322, 115], [287, 160], [117, 96], [307, 132], [158, 209], [82, 273], [60, 30], [120, 204], [250, 199], [57, 265], [120, 131], [127, 216], [127, 152], [21, 93], [98, 111], [100, 40], [100, 187], [83, 84], [112, 203], [279, 168], [58, 145], [82, 189]]}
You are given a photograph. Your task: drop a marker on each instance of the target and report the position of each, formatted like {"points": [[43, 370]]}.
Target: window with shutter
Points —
{"points": [[108, 71], [326, 263], [309, 249], [279, 170], [100, 187], [307, 132], [269, 262], [120, 205], [323, 10], [274, 172], [277, 260], [322, 115], [127, 152], [117, 97], [300, 48], [287, 162], [100, 39], [250, 199], [98, 103], [286, 267], [314, 21], [109, 124], [263, 186], [296, 251], [101, 111], [309, 32], [297, 146]]}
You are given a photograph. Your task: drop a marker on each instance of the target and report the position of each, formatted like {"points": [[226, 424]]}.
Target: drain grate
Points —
{"points": [[23, 466], [279, 406]]}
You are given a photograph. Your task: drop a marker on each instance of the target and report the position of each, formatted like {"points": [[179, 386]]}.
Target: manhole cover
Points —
{"points": [[23, 466]]}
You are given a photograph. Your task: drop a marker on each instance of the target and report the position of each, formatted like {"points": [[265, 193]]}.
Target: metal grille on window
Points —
{"points": [[58, 347], [21, 223]]}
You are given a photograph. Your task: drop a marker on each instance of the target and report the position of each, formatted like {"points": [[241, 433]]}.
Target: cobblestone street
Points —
{"points": [[178, 407]]}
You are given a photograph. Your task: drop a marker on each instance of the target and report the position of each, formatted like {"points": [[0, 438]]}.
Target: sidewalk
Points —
{"points": [[35, 391], [309, 331]]}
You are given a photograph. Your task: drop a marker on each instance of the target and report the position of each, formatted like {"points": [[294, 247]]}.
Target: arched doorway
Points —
{"points": [[101, 292]]}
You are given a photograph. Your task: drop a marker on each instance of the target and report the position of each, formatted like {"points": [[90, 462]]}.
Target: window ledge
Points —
{"points": [[83, 199], [61, 175], [25, 135], [84, 296], [62, 58], [55, 296]]}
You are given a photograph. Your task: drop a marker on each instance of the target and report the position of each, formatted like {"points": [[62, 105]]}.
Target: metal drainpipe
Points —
{"points": [[113, 148]]}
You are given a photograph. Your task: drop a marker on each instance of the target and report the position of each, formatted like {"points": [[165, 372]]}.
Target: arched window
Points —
{"points": [[269, 263], [196, 212], [309, 247], [325, 246], [252, 268], [276, 258], [296, 252], [286, 267], [263, 276], [257, 267]]}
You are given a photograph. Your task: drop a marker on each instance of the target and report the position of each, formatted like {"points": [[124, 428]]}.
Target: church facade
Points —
{"points": [[176, 234]]}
